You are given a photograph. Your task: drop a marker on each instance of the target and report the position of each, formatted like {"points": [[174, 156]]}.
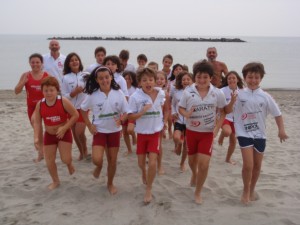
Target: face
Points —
{"points": [[112, 66], [154, 67], [74, 64], [161, 80], [141, 62], [100, 57], [147, 83], [167, 63], [202, 80], [35, 64], [211, 54], [177, 70], [232, 81], [54, 46], [50, 92], [128, 80], [104, 80], [253, 80], [186, 81]]}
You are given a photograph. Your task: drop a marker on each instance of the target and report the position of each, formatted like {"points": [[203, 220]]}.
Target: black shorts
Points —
{"points": [[179, 126], [258, 144]]}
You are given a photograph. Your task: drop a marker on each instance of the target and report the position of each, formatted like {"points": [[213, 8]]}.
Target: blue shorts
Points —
{"points": [[179, 126], [258, 144]]}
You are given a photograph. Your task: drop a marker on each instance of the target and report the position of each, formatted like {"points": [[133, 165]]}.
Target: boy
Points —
{"points": [[250, 112], [100, 53], [147, 108], [142, 61]]}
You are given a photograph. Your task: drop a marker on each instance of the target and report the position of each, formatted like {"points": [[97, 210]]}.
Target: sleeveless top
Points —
{"points": [[55, 114], [33, 89]]}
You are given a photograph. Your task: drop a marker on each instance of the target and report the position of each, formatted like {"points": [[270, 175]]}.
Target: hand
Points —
{"points": [[117, 120], [175, 116], [146, 108], [282, 136], [234, 95], [190, 112], [92, 128], [25, 77], [36, 144], [60, 133]]}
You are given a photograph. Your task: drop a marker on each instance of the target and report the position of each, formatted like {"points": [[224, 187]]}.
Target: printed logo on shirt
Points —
{"points": [[195, 123], [251, 127], [204, 107], [53, 119], [100, 106], [36, 87], [60, 65]]}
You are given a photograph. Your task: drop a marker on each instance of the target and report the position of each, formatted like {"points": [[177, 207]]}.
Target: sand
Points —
{"points": [[82, 199]]}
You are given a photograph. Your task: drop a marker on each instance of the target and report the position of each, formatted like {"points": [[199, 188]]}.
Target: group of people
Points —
{"points": [[144, 104]]}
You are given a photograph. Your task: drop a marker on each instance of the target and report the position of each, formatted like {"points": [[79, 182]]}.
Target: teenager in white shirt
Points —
{"points": [[100, 53], [72, 88], [109, 107], [147, 106]]}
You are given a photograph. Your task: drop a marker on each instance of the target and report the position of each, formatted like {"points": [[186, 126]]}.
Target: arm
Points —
{"points": [[229, 107], [185, 113], [37, 124], [74, 116], [219, 121], [135, 116], [23, 80], [92, 128], [281, 131]]}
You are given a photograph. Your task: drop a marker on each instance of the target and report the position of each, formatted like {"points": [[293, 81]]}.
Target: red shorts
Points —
{"points": [[30, 111], [110, 140], [80, 118], [199, 142], [148, 143], [50, 139], [126, 122], [230, 123]]}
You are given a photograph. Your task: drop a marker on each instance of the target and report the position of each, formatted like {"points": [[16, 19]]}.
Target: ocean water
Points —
{"points": [[280, 56]]}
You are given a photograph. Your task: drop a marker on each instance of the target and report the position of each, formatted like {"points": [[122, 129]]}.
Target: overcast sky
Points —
{"points": [[151, 17]]}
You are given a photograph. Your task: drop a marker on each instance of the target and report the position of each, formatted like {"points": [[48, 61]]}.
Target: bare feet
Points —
{"points": [[198, 199], [53, 185], [148, 196], [71, 169], [245, 198], [80, 157], [178, 148], [96, 172], [182, 168], [38, 159], [231, 162], [254, 196], [128, 153], [112, 189], [161, 171], [193, 181]]}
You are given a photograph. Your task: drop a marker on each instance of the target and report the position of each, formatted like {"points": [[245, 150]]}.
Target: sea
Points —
{"points": [[280, 55]]}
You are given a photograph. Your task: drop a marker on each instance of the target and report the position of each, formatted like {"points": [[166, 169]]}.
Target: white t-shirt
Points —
{"points": [[176, 96], [131, 90], [227, 92], [152, 121], [250, 112], [69, 82], [203, 118], [122, 82], [92, 67], [105, 109], [53, 66], [130, 67]]}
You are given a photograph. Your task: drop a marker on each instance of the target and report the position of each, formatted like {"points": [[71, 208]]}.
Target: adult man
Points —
{"points": [[220, 68], [54, 61], [124, 56]]}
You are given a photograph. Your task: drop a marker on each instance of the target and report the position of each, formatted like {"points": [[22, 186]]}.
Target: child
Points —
{"points": [[232, 83], [32, 82], [250, 111], [199, 104], [109, 107], [124, 57], [114, 64], [183, 80], [72, 88], [153, 65], [167, 63], [100, 53], [142, 61], [161, 82], [58, 115], [128, 127], [146, 108]]}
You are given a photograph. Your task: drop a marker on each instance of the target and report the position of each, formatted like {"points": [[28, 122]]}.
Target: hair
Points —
{"points": [[178, 84], [91, 83], [124, 54], [50, 81], [146, 72], [67, 68], [100, 49], [165, 76], [240, 82], [36, 55], [185, 68], [142, 57], [172, 77], [115, 59], [132, 76], [168, 56], [152, 63], [203, 66], [254, 67]]}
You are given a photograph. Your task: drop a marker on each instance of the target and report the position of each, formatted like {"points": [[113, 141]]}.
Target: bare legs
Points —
{"points": [[250, 173], [78, 130], [227, 132], [160, 168], [40, 148], [127, 132], [180, 148]]}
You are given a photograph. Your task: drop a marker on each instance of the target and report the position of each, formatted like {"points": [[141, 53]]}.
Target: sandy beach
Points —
{"points": [[82, 199]]}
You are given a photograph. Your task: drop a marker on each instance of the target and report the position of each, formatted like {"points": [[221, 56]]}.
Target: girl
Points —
{"points": [[183, 80], [199, 104], [109, 107], [146, 108], [167, 63], [128, 127], [32, 82], [72, 88], [55, 110], [232, 83]]}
